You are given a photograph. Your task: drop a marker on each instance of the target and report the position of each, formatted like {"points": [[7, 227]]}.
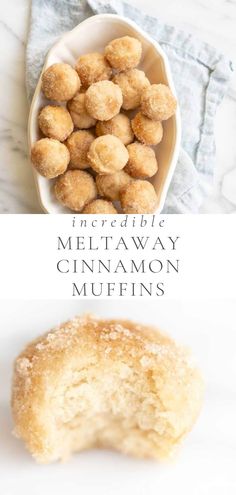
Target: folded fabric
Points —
{"points": [[201, 75]]}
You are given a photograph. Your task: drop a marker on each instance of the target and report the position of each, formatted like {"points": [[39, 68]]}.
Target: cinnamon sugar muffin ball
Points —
{"points": [[123, 53], [55, 122], [50, 157], [147, 131], [93, 67], [138, 197], [132, 84], [103, 100], [111, 185], [158, 102], [60, 82], [78, 112], [119, 126], [75, 189], [100, 206], [107, 154], [78, 145], [142, 161]]}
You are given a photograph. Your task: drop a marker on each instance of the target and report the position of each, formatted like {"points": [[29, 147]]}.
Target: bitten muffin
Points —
{"points": [[123, 53], [100, 206], [93, 67], [55, 122], [138, 197], [78, 145], [75, 189], [132, 84], [50, 157], [103, 100], [111, 185], [107, 154], [147, 131], [104, 383], [60, 82], [158, 102], [142, 161]]}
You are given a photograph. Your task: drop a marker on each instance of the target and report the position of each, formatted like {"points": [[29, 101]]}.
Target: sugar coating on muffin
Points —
{"points": [[78, 145], [60, 82], [110, 186], [75, 189], [124, 53], [115, 384], [142, 161], [103, 100], [158, 102], [139, 197], [101, 207], [50, 157], [107, 154], [55, 122], [119, 126], [132, 84], [149, 132], [78, 112], [93, 67]]}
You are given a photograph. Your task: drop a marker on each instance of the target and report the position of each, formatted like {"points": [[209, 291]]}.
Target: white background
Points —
{"points": [[206, 463]]}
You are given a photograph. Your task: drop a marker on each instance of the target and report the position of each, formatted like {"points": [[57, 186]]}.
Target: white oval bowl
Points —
{"points": [[91, 35]]}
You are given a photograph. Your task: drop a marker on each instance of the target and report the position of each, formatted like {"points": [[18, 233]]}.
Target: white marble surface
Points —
{"points": [[212, 20]]}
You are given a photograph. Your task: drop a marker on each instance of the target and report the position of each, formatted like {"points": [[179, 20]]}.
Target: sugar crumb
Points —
{"points": [[107, 350], [155, 349], [146, 362], [23, 365]]}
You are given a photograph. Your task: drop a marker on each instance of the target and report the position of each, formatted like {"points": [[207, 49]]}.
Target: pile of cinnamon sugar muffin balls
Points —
{"points": [[96, 152]]}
